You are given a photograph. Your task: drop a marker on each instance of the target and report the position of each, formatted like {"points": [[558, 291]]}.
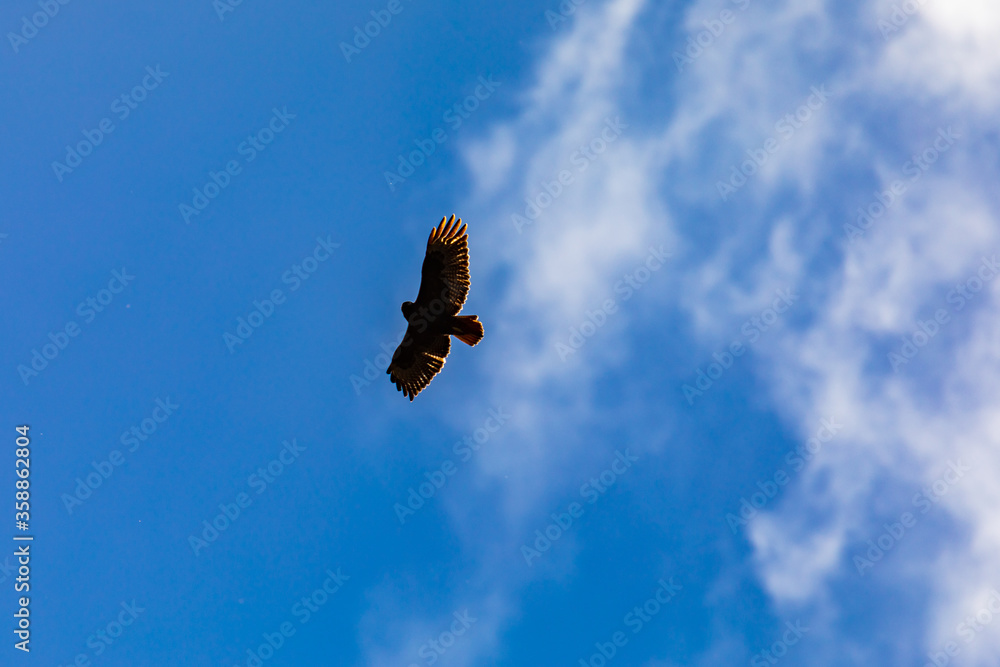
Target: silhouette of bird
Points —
{"points": [[433, 318]]}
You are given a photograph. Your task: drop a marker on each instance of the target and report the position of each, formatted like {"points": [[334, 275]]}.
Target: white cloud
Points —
{"points": [[945, 52], [902, 430], [782, 229]]}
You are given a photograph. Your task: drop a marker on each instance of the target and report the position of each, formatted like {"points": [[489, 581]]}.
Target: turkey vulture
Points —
{"points": [[444, 284]]}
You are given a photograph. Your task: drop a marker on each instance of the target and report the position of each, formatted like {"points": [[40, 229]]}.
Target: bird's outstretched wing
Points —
{"points": [[445, 273], [419, 357]]}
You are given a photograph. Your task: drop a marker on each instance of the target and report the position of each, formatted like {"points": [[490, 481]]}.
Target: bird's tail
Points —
{"points": [[467, 328]]}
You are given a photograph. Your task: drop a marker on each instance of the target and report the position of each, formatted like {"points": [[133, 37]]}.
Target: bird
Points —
{"points": [[433, 318]]}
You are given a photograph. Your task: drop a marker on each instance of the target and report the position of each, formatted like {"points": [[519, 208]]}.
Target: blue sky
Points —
{"points": [[735, 262]]}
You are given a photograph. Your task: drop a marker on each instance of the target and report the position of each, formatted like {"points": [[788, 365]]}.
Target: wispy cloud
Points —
{"points": [[657, 184]]}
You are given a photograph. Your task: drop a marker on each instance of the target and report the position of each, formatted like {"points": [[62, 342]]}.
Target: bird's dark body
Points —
{"points": [[433, 318]]}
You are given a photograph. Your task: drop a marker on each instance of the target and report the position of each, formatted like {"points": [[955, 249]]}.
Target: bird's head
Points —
{"points": [[408, 308]]}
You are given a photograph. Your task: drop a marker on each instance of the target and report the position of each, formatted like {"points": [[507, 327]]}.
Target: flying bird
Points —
{"points": [[433, 318]]}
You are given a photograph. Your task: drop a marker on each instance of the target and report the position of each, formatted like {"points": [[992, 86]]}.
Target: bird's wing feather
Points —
{"points": [[417, 360], [445, 273]]}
